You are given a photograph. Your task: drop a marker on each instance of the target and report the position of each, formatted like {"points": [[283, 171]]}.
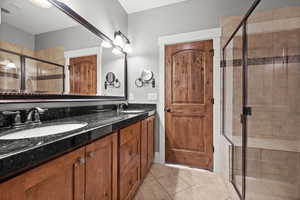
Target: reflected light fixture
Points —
{"points": [[46, 3], [41, 3], [106, 44], [8, 64], [116, 51]]}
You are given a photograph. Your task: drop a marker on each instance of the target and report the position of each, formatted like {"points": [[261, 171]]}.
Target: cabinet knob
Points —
{"points": [[81, 160]]}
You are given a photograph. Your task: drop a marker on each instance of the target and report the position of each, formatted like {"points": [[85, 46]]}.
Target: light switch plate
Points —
{"points": [[152, 96]]}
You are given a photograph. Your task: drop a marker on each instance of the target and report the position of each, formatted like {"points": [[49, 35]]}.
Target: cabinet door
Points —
{"points": [[130, 161], [59, 179], [151, 140], [101, 169], [144, 149]]}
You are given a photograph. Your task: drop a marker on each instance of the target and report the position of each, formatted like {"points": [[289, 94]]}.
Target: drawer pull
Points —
{"points": [[81, 161]]}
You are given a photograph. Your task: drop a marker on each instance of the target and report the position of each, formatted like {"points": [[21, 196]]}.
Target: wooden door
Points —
{"points": [[83, 75], [101, 169], [188, 112], [60, 179]]}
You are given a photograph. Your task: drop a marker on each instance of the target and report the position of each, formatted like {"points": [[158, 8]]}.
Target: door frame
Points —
{"points": [[80, 53], [209, 34]]}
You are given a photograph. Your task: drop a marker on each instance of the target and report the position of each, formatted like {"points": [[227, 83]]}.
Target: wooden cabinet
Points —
{"points": [[147, 145], [101, 169], [59, 179], [129, 163], [107, 169], [89, 173]]}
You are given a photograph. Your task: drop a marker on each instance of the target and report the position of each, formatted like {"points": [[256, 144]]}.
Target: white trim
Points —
{"points": [[156, 157], [211, 34], [83, 52]]}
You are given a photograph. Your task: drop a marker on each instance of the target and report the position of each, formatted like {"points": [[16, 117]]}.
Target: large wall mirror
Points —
{"points": [[50, 50]]}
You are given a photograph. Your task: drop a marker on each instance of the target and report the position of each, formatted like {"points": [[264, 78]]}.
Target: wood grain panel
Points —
{"points": [[83, 75], [189, 93]]}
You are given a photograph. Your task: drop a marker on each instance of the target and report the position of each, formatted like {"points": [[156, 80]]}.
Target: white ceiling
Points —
{"points": [[132, 6], [33, 19]]}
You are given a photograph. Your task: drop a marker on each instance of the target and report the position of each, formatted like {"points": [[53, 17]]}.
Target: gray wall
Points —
{"points": [[70, 38], [147, 26], [14, 35]]}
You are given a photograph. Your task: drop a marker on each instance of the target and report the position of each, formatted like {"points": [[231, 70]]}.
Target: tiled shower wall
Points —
{"points": [[41, 77], [273, 158]]}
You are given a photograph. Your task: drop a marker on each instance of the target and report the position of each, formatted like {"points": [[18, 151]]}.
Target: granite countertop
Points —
{"points": [[19, 155]]}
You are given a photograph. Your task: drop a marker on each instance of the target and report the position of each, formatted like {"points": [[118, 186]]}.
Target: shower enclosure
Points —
{"points": [[261, 102]]}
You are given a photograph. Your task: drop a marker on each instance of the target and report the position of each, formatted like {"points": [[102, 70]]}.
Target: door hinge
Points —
{"points": [[213, 100], [213, 148], [212, 52]]}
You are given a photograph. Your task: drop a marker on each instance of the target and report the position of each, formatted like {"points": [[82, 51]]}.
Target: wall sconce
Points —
{"points": [[147, 77]]}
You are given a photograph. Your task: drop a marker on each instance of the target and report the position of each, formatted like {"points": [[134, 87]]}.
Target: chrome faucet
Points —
{"points": [[120, 107], [34, 112]]}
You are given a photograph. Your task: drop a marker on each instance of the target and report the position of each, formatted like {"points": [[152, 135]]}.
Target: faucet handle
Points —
{"points": [[17, 119]]}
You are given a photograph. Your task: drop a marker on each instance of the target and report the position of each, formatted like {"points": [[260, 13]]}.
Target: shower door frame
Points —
{"points": [[246, 109]]}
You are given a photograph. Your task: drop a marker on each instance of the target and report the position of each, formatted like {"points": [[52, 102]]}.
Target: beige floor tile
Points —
{"points": [[202, 193], [173, 183], [161, 170], [151, 190]]}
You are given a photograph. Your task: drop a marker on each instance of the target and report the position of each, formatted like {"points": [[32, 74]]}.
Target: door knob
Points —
{"points": [[167, 110]]}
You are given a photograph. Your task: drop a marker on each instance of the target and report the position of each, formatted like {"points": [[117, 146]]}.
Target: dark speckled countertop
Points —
{"points": [[16, 156]]}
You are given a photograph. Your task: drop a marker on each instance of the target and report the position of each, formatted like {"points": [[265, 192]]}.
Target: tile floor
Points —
{"points": [[173, 183]]}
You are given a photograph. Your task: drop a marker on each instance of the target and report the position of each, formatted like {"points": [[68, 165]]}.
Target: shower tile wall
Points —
{"points": [[273, 158]]}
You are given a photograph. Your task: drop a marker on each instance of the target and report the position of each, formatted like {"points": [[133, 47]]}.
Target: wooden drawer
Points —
{"points": [[129, 182], [129, 146]]}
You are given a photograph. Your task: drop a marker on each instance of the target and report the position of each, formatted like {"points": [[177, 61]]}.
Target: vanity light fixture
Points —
{"points": [[106, 44], [122, 41], [116, 51], [127, 48], [118, 41]]}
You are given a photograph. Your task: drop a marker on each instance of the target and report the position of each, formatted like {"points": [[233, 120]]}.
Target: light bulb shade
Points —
{"points": [[116, 51], [106, 44], [119, 41], [42, 3], [127, 48], [64, 1], [11, 65]]}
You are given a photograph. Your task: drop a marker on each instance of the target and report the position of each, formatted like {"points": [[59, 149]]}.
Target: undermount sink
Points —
{"points": [[42, 131], [133, 111]]}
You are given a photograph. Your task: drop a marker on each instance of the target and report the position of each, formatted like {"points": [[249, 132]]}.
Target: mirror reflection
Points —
{"points": [[44, 51]]}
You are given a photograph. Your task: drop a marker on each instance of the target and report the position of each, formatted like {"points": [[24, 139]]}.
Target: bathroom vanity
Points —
{"points": [[101, 161]]}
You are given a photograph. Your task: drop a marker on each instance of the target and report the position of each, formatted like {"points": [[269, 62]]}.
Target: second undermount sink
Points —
{"points": [[42, 131], [133, 111]]}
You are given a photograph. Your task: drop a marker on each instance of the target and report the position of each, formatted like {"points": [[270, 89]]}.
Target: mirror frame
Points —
{"points": [[6, 98]]}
